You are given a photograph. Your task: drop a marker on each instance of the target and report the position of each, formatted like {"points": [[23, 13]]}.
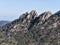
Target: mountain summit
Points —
{"points": [[31, 29]]}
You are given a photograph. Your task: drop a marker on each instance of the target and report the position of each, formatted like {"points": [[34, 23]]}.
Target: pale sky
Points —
{"points": [[12, 9]]}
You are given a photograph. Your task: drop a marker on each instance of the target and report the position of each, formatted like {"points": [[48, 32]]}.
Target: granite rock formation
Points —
{"points": [[33, 29]]}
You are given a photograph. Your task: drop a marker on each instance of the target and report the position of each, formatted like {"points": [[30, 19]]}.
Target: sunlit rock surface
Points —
{"points": [[32, 29]]}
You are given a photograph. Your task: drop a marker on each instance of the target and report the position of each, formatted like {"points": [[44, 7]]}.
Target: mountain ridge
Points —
{"points": [[31, 29]]}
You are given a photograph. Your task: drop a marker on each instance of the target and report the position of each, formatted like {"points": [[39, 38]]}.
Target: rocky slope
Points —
{"points": [[31, 29]]}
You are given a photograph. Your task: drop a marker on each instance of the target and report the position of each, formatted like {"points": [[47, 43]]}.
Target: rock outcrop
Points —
{"points": [[31, 29], [46, 15]]}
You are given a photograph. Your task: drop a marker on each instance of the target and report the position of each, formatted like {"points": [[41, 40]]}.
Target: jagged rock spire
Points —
{"points": [[46, 15], [33, 14], [30, 15]]}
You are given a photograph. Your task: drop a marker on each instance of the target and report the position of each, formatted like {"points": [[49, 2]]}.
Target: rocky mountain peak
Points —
{"points": [[31, 30], [46, 15], [27, 17], [32, 14]]}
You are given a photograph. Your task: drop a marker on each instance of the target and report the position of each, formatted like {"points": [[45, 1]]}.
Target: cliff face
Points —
{"points": [[31, 29]]}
